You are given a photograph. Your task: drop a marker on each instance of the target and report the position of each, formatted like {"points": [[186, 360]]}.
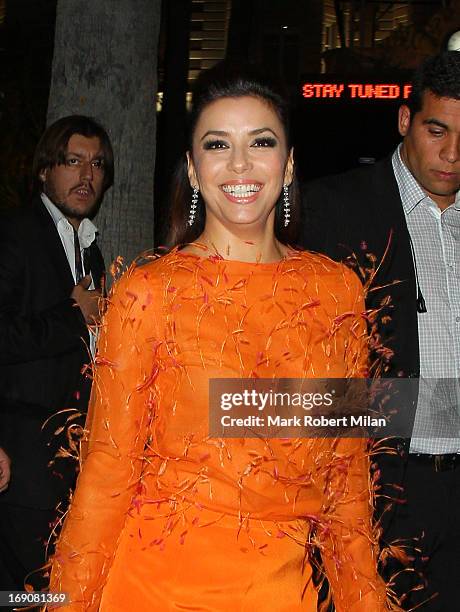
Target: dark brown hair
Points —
{"points": [[439, 74], [229, 81], [52, 146]]}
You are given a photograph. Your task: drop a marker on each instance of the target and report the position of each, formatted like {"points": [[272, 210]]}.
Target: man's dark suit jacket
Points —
{"points": [[43, 348], [360, 212]]}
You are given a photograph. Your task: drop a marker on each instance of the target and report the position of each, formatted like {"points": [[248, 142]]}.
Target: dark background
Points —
{"points": [[354, 40]]}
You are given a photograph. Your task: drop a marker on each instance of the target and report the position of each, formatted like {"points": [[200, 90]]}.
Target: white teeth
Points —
{"points": [[241, 190]]}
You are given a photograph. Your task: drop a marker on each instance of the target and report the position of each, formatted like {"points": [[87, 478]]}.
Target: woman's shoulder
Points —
{"points": [[322, 264], [151, 273], [332, 277]]}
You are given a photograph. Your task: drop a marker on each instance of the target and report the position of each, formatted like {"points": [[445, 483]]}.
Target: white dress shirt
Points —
{"points": [[86, 236]]}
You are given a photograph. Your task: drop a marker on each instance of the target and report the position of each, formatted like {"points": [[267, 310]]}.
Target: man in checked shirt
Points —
{"points": [[405, 210]]}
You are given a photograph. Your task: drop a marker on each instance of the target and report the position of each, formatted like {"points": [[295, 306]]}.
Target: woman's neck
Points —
{"points": [[264, 248]]}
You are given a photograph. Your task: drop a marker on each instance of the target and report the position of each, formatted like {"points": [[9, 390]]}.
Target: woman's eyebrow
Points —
{"points": [[261, 130], [251, 133], [214, 133]]}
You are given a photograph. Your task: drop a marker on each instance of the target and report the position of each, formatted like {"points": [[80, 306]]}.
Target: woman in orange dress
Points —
{"points": [[164, 516]]}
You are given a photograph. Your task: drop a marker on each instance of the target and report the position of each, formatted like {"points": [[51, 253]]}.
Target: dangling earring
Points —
{"points": [[193, 206], [287, 205]]}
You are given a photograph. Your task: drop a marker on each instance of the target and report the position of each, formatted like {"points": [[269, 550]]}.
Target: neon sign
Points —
{"points": [[363, 91]]}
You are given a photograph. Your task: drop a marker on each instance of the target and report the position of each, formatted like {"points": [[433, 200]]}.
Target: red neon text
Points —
{"points": [[322, 90], [381, 91]]}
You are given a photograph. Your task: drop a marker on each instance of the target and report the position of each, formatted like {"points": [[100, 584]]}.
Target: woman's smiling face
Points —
{"points": [[240, 161]]}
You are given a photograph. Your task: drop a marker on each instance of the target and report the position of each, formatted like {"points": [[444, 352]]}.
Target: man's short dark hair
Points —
{"points": [[52, 146], [439, 74]]}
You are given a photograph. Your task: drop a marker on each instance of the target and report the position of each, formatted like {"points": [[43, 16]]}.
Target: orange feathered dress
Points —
{"points": [[164, 517]]}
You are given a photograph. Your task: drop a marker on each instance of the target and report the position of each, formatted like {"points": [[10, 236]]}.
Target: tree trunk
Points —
{"points": [[104, 66]]}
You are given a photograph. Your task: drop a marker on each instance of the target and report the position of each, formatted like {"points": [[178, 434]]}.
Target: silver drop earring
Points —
{"points": [[193, 207], [287, 205]]}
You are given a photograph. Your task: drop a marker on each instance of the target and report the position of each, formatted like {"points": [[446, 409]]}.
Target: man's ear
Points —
{"points": [[43, 174], [191, 171], [289, 170], [404, 118]]}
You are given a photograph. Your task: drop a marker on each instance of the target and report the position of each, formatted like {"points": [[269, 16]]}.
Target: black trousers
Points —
{"points": [[429, 525], [24, 534]]}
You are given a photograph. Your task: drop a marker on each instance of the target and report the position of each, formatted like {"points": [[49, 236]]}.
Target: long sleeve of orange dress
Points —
{"points": [[346, 540], [165, 517], [118, 421]]}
